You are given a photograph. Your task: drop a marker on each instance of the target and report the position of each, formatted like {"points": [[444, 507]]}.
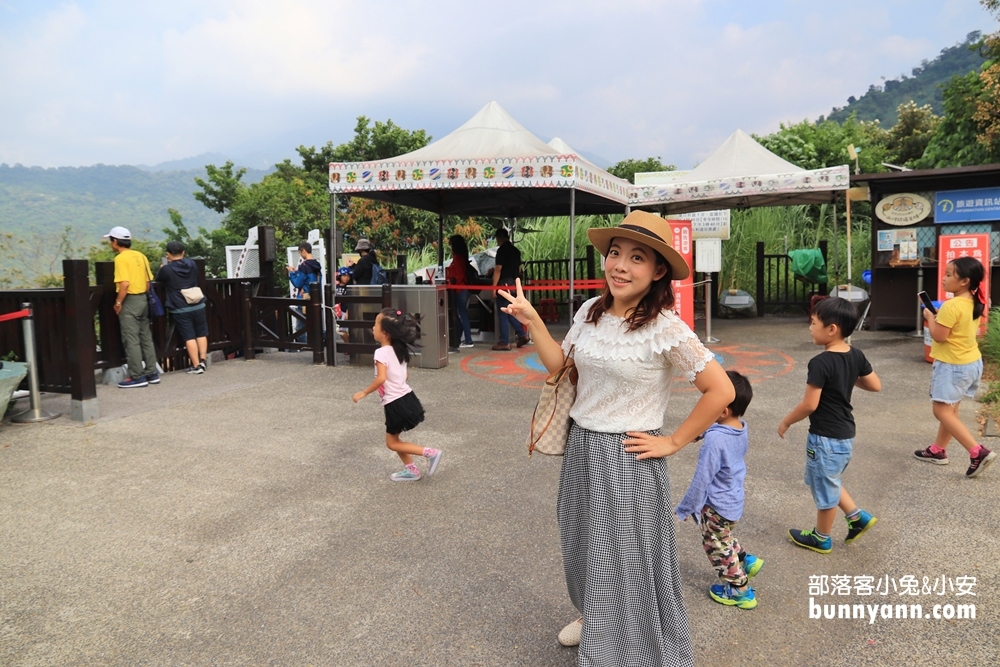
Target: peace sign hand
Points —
{"points": [[519, 306]]}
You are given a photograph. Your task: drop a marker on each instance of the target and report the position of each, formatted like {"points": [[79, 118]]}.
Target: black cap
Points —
{"points": [[175, 247]]}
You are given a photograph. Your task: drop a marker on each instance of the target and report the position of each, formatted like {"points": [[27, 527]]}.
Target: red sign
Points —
{"points": [[684, 289], [977, 246]]}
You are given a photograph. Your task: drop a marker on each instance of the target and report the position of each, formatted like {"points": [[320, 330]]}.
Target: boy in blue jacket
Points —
{"points": [[715, 498]]}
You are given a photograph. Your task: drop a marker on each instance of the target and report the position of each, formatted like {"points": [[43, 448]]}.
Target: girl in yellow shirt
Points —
{"points": [[958, 364]]}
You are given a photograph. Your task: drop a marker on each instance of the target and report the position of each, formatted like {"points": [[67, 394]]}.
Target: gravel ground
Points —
{"points": [[245, 517]]}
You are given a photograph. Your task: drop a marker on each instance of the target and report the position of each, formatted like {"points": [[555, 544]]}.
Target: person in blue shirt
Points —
{"points": [[715, 499]]}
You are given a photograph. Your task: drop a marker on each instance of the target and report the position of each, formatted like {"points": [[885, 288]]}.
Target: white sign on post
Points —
{"points": [[708, 255]]}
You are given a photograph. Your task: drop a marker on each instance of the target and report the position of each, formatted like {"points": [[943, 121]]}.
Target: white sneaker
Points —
{"points": [[570, 635], [467, 345]]}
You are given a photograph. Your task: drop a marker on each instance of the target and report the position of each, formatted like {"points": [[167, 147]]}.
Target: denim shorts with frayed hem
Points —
{"points": [[826, 461], [950, 383]]}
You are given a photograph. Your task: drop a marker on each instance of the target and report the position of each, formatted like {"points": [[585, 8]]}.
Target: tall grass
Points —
{"points": [[780, 228], [790, 228]]}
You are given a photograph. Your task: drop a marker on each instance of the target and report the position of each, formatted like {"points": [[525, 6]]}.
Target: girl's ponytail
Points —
{"points": [[402, 331], [971, 268]]}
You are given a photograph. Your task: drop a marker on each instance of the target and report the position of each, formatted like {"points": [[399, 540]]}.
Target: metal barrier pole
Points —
{"points": [[35, 413], [708, 339], [918, 331]]}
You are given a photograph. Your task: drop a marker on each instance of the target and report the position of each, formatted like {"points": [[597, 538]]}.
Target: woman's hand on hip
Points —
{"points": [[649, 446]]}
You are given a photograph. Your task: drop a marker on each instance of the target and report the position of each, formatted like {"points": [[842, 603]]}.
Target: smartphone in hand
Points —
{"points": [[928, 304]]}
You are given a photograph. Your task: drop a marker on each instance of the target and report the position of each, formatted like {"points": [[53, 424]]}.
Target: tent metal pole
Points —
{"points": [[849, 277], [439, 274], [331, 267], [836, 245], [572, 249]]}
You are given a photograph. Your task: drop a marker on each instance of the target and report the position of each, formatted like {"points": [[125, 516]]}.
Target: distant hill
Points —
{"points": [[254, 162], [923, 87], [94, 199]]}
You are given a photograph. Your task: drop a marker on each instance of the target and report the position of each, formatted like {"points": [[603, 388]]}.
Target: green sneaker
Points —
{"points": [[752, 565], [807, 539], [859, 525]]}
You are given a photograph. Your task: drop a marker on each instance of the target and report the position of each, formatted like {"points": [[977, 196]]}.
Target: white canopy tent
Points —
{"points": [[491, 165], [742, 174]]}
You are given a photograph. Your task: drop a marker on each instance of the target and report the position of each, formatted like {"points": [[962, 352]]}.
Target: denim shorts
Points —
{"points": [[826, 461], [950, 383]]}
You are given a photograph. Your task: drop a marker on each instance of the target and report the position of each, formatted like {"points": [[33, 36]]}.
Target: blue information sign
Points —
{"points": [[978, 205]]}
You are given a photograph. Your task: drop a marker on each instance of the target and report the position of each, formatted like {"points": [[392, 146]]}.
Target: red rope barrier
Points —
{"points": [[15, 315], [535, 285], [548, 285]]}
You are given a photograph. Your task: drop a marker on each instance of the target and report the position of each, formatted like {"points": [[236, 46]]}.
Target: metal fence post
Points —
{"points": [[35, 412]]}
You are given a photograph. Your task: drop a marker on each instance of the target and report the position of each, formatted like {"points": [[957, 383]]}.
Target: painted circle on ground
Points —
{"points": [[523, 368]]}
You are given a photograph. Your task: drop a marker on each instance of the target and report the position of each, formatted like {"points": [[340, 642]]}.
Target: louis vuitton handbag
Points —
{"points": [[550, 421]]}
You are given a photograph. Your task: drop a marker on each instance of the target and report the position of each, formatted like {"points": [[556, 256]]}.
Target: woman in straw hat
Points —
{"points": [[615, 521]]}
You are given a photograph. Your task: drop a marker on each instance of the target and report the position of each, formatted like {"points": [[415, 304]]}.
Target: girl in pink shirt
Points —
{"points": [[395, 332]]}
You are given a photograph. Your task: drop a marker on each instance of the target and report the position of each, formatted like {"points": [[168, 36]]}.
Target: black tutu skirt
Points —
{"points": [[403, 414]]}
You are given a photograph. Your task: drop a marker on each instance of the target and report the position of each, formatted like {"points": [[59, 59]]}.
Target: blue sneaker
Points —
{"points": [[405, 475], [727, 595], [128, 383], [807, 539], [153, 378], [432, 461], [752, 565], [859, 525]]}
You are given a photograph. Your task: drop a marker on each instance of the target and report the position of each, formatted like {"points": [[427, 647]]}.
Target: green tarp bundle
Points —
{"points": [[808, 265]]}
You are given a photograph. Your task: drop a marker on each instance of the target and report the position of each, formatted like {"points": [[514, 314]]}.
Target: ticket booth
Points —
{"points": [[911, 210]]}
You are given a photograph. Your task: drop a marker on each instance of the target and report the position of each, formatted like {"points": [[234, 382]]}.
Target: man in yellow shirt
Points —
{"points": [[132, 279]]}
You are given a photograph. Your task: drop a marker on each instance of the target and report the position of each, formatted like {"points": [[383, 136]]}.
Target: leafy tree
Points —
{"points": [[626, 169], [824, 144], [987, 113], [909, 137], [222, 187], [295, 198], [954, 143]]}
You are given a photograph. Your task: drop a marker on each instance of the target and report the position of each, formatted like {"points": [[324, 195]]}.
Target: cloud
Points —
{"points": [[116, 81]]}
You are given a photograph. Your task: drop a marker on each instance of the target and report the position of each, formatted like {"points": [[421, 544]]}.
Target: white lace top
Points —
{"points": [[625, 375]]}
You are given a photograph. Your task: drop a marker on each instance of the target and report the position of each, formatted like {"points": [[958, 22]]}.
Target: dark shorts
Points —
{"points": [[403, 414], [191, 325]]}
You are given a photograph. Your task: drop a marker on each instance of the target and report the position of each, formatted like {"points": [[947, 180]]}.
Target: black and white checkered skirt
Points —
{"points": [[620, 554]]}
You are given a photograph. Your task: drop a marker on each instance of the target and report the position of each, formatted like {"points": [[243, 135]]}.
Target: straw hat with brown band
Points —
{"points": [[648, 229]]}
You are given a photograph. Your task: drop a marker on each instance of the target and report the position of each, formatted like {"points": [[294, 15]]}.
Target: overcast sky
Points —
{"points": [[135, 82]]}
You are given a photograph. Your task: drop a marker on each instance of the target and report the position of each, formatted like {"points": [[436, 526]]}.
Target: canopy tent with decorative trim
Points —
{"points": [[491, 165], [742, 174]]}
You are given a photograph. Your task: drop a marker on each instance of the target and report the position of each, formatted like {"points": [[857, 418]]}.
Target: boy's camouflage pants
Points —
{"points": [[721, 546]]}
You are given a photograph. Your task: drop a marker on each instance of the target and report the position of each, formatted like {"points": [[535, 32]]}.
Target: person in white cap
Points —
{"points": [[132, 280]]}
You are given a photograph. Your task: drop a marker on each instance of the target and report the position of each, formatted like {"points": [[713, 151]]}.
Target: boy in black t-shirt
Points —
{"points": [[832, 376]]}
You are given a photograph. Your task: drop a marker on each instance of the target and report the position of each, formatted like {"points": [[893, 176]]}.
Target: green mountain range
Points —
{"points": [[91, 200], [924, 86]]}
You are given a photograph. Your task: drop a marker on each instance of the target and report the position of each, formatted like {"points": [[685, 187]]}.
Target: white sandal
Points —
{"points": [[570, 635]]}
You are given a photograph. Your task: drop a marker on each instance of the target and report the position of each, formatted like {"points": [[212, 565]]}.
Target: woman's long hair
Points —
{"points": [[660, 297], [971, 268], [401, 329], [458, 246]]}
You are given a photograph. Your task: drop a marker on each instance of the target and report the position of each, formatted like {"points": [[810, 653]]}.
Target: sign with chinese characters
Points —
{"points": [[683, 289], [708, 224], [977, 246], [903, 209], [978, 205], [708, 255]]}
